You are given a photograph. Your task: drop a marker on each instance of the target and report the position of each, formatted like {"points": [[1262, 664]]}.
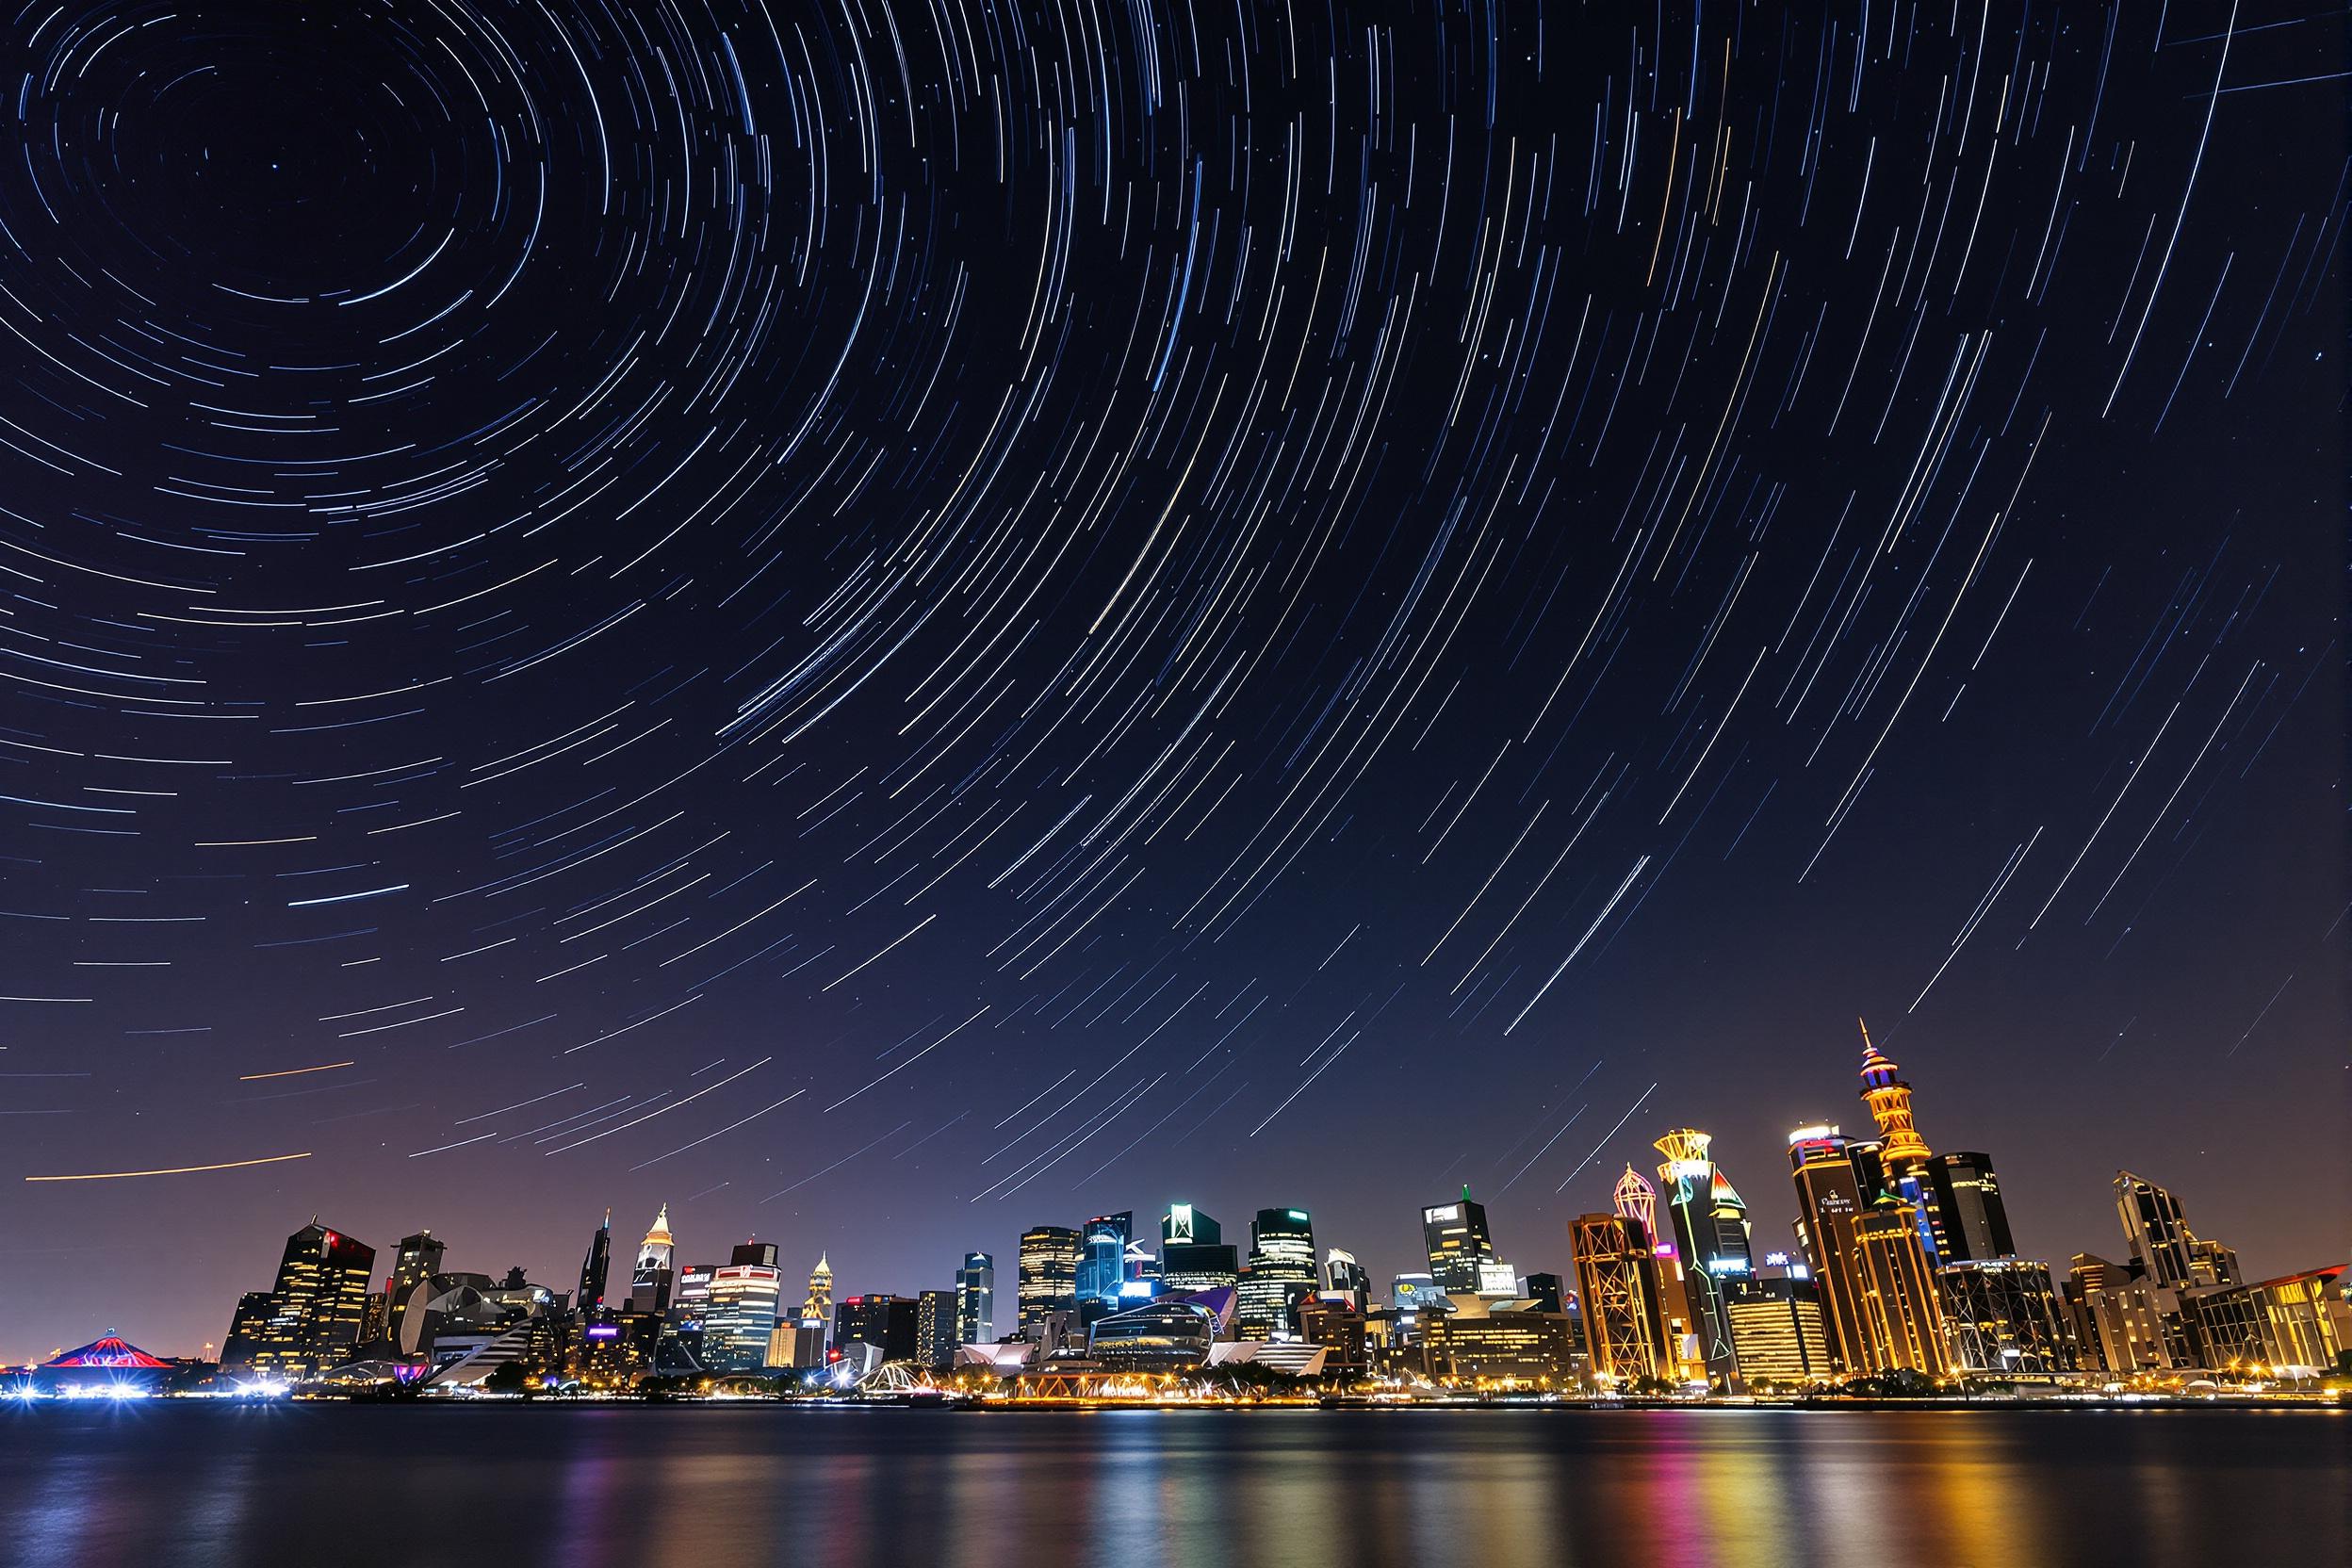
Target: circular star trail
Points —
{"points": [[891, 621]]}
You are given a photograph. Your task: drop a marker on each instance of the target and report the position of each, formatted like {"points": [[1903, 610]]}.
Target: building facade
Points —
{"points": [[2004, 1318], [1194, 1253], [1902, 1322], [1048, 1275], [1280, 1276], [934, 1329], [1710, 1228], [740, 1315], [1458, 1241], [314, 1312], [1621, 1294], [976, 1299], [1778, 1324]]}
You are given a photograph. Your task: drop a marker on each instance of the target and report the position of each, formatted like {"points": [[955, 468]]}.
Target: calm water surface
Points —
{"points": [[345, 1486]]}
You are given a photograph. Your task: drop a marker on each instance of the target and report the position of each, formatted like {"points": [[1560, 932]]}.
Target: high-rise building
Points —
{"points": [[934, 1329], [1280, 1276], [2004, 1318], [594, 1269], [818, 1304], [1048, 1274], [2124, 1322], [690, 1293], [738, 1313], [416, 1260], [1902, 1154], [2161, 1239], [1618, 1286], [1457, 1243], [1829, 1202], [885, 1322], [1902, 1319], [650, 1282], [314, 1312], [1776, 1322], [1193, 1255], [249, 1326], [1344, 1276], [1102, 1261], [1968, 1196], [1711, 1235], [976, 1299]]}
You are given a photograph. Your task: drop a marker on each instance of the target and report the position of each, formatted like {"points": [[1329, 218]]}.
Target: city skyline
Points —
{"points": [[2153, 1231], [869, 640]]}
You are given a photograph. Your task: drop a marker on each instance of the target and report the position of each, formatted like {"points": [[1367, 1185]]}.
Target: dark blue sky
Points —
{"points": [[896, 623]]}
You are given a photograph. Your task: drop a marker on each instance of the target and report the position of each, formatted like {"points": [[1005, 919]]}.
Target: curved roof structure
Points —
{"points": [[109, 1351]]}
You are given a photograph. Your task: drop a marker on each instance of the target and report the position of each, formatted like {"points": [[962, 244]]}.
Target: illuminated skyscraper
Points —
{"points": [[885, 1322], [249, 1326], [1902, 1154], [1778, 1324], [1102, 1261], [1620, 1290], [1193, 1255], [811, 1334], [1711, 1232], [650, 1282], [934, 1329], [2161, 1239], [594, 1269], [1280, 1273], [1048, 1275], [314, 1310], [1829, 1202], [1968, 1196], [976, 1299], [418, 1259], [1458, 1242], [1902, 1320], [738, 1313]]}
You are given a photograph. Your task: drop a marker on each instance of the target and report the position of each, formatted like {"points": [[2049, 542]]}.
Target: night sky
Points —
{"points": [[893, 622]]}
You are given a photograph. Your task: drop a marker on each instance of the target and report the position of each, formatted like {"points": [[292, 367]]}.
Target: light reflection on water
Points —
{"points": [[345, 1486]]}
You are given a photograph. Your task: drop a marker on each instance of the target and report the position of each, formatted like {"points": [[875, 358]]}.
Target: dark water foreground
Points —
{"points": [[344, 1486]]}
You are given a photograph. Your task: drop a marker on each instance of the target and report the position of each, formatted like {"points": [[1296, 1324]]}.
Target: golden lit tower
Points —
{"points": [[1902, 1155], [818, 1308], [1900, 1147]]}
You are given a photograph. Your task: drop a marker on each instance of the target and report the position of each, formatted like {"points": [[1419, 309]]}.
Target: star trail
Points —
{"points": [[891, 620]]}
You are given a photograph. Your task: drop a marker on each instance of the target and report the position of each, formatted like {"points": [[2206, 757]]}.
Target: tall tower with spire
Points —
{"points": [[650, 1286], [1902, 1154], [818, 1308], [1901, 1148], [595, 1269]]}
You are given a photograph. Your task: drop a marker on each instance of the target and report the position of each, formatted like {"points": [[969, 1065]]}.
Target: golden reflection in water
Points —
{"points": [[691, 1488]]}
